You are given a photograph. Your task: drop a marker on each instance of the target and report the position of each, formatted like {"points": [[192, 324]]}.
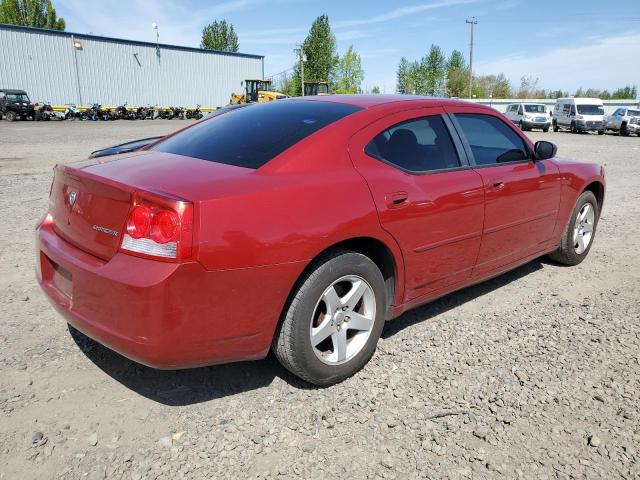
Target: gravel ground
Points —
{"points": [[534, 374]]}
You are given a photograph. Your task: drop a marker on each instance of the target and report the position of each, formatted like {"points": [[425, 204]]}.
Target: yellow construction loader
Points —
{"points": [[256, 91], [316, 88]]}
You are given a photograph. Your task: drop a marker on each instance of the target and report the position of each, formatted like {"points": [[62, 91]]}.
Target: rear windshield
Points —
{"points": [[250, 137]]}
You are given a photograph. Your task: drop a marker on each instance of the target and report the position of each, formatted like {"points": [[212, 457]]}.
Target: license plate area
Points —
{"points": [[57, 276]]}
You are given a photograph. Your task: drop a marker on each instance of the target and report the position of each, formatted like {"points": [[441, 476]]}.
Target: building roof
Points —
{"points": [[46, 31]]}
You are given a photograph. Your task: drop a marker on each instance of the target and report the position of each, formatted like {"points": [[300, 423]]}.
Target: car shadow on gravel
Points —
{"points": [[197, 385], [184, 387], [455, 299]]}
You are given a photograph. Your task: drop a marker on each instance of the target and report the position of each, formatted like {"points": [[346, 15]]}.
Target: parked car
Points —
{"points": [[624, 121], [15, 104], [529, 116], [302, 226], [579, 115]]}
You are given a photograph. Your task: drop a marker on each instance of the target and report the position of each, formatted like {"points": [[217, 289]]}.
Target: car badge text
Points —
{"points": [[72, 198], [106, 230]]}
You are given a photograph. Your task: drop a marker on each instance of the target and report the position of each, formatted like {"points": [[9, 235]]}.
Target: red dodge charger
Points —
{"points": [[302, 225]]}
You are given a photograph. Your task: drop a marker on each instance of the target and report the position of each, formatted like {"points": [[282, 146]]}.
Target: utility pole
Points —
{"points": [[302, 58], [471, 22]]}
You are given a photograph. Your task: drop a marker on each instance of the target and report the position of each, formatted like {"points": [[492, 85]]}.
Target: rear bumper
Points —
{"points": [[164, 315]]}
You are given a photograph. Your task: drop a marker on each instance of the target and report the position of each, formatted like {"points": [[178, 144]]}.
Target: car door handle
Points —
{"points": [[497, 184], [397, 199]]}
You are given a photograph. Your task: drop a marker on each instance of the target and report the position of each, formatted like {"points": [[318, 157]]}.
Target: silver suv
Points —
{"points": [[624, 121]]}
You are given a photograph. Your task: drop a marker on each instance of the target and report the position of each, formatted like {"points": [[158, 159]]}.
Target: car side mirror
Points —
{"points": [[544, 150]]}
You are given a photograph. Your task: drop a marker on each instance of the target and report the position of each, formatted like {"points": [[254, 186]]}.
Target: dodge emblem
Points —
{"points": [[72, 198]]}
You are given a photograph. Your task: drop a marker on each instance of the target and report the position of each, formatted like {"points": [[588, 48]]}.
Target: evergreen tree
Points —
{"points": [[320, 50], [402, 85], [457, 74]]}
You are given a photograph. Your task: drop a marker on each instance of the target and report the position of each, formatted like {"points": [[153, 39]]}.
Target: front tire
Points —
{"points": [[623, 130], [574, 128], [579, 233], [332, 324], [10, 116]]}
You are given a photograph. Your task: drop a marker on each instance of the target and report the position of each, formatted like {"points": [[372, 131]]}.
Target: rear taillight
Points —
{"points": [[159, 227]]}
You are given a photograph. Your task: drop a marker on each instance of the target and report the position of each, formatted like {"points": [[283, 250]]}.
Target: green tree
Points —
{"points": [[30, 13], [432, 72], [349, 73], [625, 93], [375, 90], [220, 35], [457, 74], [496, 86], [320, 50], [558, 94], [402, 78]]}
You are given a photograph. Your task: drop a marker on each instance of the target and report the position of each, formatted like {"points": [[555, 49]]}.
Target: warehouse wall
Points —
{"points": [[106, 71]]}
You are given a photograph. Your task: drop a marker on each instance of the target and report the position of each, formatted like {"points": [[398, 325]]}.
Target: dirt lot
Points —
{"points": [[534, 374]]}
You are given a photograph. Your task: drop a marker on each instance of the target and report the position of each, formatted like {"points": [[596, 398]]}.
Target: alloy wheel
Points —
{"points": [[342, 320], [583, 229]]}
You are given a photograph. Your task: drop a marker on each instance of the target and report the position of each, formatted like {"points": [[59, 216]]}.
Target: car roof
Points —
{"points": [[368, 101], [14, 92]]}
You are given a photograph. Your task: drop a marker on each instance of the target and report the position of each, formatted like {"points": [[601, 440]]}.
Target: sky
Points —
{"points": [[566, 44]]}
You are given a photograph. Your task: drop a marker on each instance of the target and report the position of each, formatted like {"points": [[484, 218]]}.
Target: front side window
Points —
{"points": [[251, 136], [419, 145], [633, 113], [590, 109], [491, 140]]}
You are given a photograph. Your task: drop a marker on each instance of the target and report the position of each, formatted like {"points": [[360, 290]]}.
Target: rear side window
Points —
{"points": [[491, 140], [250, 137], [420, 145]]}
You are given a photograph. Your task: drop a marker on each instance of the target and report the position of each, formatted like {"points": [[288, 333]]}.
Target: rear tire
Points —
{"points": [[322, 338], [575, 245]]}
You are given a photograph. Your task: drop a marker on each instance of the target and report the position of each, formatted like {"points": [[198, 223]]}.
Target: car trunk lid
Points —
{"points": [[87, 212], [90, 200]]}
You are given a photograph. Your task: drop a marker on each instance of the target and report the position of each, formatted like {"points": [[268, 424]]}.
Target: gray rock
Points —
{"points": [[92, 439], [165, 442]]}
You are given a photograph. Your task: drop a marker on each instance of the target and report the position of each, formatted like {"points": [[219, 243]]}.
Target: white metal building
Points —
{"points": [[62, 67]]}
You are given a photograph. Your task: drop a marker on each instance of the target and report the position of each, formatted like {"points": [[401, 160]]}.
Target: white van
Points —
{"points": [[579, 115], [529, 115]]}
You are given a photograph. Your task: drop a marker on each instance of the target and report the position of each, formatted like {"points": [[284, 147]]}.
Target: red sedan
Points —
{"points": [[302, 226]]}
